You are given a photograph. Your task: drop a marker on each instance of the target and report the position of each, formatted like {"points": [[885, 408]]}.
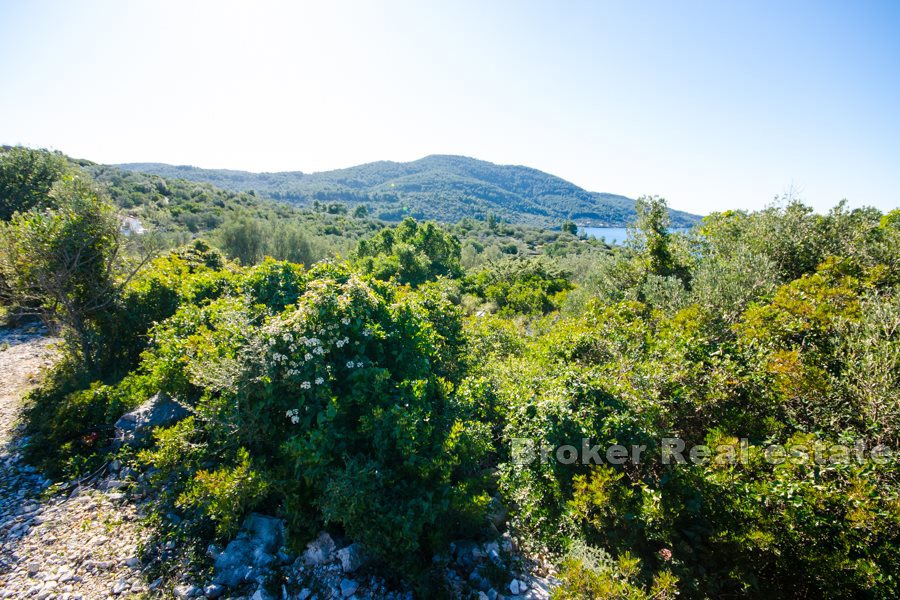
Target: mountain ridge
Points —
{"points": [[443, 187]]}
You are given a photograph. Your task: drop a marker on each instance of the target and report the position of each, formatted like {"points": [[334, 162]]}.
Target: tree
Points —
{"points": [[65, 262], [290, 242], [26, 177], [411, 252], [651, 235], [570, 227], [244, 238]]}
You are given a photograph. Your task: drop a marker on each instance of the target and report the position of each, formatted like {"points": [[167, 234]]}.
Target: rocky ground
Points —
{"points": [[81, 543], [24, 353], [83, 540]]}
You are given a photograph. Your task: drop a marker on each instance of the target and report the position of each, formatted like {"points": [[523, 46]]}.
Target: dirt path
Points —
{"points": [[81, 545], [24, 353]]}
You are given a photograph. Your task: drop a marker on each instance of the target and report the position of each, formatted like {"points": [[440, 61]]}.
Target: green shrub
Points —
{"points": [[224, 495], [591, 574], [70, 429], [63, 261], [521, 286], [341, 394], [411, 252], [26, 177]]}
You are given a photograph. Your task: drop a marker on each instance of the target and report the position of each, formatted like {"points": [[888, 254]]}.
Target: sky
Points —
{"points": [[712, 105]]}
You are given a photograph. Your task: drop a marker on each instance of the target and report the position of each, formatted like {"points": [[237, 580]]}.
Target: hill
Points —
{"points": [[440, 187]]}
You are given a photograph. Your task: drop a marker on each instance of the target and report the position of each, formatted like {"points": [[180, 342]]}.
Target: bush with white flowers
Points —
{"points": [[344, 400]]}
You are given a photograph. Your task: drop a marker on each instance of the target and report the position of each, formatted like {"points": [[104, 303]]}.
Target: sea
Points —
{"points": [[612, 235], [616, 236]]}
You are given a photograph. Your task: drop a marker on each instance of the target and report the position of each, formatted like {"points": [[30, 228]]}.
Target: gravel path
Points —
{"points": [[67, 546], [24, 353]]}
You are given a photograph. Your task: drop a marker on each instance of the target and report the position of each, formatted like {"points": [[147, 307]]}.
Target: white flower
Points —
{"points": [[359, 365], [349, 364], [345, 320], [307, 356], [295, 419], [289, 413], [340, 343], [319, 381], [305, 385]]}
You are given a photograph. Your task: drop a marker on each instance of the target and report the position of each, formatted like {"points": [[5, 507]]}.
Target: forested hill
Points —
{"points": [[441, 187]]}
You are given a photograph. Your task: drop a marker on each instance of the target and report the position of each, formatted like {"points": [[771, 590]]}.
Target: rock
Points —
{"points": [[516, 587], [213, 551], [352, 557], [67, 576], [134, 428], [251, 553], [304, 594], [348, 587], [261, 594], [475, 579], [120, 586], [234, 564], [267, 532], [478, 582], [187, 591], [463, 552], [319, 551], [496, 512], [482, 596], [213, 591]]}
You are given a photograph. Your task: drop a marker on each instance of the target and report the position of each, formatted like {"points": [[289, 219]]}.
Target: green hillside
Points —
{"points": [[441, 187]]}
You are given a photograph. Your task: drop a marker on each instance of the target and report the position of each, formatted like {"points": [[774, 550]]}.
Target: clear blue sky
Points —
{"points": [[713, 105]]}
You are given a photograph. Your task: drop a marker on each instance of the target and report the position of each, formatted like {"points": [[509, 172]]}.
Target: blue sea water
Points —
{"points": [[612, 235], [616, 236]]}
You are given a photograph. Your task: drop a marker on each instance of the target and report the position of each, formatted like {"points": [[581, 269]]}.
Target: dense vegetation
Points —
{"points": [[442, 188], [390, 394]]}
